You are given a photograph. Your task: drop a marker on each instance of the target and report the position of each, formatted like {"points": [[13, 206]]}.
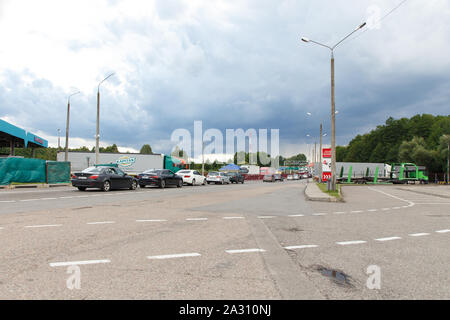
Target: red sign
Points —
{"points": [[326, 176], [326, 152], [38, 140]]}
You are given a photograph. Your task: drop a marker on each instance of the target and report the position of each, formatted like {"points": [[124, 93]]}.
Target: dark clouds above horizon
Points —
{"points": [[232, 64]]}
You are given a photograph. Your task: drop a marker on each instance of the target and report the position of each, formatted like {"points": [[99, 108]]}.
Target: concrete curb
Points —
{"points": [[39, 185], [325, 197]]}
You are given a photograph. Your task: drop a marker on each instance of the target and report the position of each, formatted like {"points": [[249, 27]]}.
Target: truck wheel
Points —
{"points": [[106, 186], [162, 184]]}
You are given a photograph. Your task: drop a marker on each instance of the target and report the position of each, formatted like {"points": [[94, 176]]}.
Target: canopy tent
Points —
{"points": [[231, 168]]}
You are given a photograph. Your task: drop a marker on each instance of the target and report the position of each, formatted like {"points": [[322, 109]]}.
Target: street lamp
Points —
{"points": [[66, 152], [333, 111], [97, 137]]}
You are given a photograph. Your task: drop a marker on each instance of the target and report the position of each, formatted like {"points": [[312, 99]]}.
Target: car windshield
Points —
{"points": [[92, 170], [153, 171], [184, 171]]}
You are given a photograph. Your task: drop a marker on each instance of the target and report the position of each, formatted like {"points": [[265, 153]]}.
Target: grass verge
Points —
{"points": [[336, 194]]}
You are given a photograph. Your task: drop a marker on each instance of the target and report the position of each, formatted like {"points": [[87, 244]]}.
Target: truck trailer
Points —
{"points": [[131, 163]]}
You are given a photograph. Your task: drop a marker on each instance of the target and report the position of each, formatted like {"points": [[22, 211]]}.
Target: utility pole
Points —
{"points": [[448, 161], [59, 139], [320, 155], [203, 158], [97, 136], [333, 111], [66, 152]]}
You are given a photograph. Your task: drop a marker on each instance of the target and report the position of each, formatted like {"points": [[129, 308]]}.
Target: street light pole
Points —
{"points": [[59, 139], [66, 151], [333, 111], [97, 136]]}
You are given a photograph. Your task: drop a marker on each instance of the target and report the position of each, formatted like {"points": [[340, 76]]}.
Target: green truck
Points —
{"points": [[407, 173]]}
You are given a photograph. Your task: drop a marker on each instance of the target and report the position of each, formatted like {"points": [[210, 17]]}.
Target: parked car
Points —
{"points": [[296, 176], [269, 178], [192, 177], [160, 178], [290, 177], [278, 177], [217, 177], [104, 178], [236, 177]]}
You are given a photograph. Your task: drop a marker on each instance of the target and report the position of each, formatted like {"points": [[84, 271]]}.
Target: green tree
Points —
{"points": [[146, 149]]}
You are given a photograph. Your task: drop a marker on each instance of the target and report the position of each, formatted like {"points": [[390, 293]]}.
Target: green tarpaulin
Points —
{"points": [[22, 170], [58, 172]]}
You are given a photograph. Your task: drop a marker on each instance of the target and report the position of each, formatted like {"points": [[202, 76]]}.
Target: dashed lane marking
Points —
{"points": [[346, 243], [196, 219], [388, 239], [266, 217], [173, 256], [75, 263], [443, 231], [44, 226], [231, 218], [244, 251], [419, 234], [7, 201], [306, 246], [154, 220], [102, 222], [296, 215]]}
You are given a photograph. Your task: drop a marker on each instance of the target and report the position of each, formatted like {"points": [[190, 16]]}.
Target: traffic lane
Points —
{"points": [[416, 268], [75, 198], [215, 273], [281, 199]]}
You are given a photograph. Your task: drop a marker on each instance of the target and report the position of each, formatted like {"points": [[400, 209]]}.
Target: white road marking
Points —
{"points": [[339, 212], [244, 251], [443, 231], [346, 243], [7, 201], [356, 211], [44, 226], [196, 219], [102, 222], [48, 199], [319, 214], [81, 196], [66, 197], [230, 218], [296, 215], [386, 209], [419, 234], [388, 239], [266, 217], [156, 220], [301, 247], [446, 203], [74, 263], [396, 208], [172, 256], [28, 200], [1, 228], [372, 210], [392, 196]]}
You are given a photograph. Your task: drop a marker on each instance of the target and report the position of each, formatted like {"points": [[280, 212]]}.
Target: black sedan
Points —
{"points": [[104, 178], [160, 178], [236, 177]]}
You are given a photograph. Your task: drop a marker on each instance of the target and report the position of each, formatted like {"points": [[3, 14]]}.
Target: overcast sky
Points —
{"points": [[230, 63]]}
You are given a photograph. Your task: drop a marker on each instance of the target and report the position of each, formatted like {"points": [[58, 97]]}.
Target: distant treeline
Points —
{"points": [[422, 139]]}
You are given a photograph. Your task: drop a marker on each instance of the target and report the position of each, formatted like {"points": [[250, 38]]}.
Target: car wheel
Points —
{"points": [[204, 182], [162, 184], [106, 186], [243, 181], [142, 185], [193, 182], [222, 182], [133, 185], [180, 183], [82, 188]]}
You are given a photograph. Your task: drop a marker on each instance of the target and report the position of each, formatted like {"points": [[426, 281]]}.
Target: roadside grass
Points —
{"points": [[336, 194]]}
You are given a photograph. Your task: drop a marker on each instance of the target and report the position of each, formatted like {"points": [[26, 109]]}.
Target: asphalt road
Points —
{"points": [[251, 241]]}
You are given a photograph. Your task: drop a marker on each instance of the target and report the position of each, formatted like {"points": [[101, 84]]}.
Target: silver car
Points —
{"points": [[217, 178]]}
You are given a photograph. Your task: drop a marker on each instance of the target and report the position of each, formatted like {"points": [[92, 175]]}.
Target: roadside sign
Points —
{"points": [[326, 153]]}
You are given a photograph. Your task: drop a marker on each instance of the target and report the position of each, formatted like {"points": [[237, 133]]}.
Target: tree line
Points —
{"points": [[422, 139]]}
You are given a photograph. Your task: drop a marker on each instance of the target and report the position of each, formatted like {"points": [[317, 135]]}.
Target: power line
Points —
{"points": [[379, 20]]}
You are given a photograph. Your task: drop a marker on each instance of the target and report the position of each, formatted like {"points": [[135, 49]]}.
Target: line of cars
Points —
{"points": [[108, 178]]}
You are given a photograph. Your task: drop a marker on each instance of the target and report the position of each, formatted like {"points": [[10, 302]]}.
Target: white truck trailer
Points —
{"points": [[131, 163]]}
